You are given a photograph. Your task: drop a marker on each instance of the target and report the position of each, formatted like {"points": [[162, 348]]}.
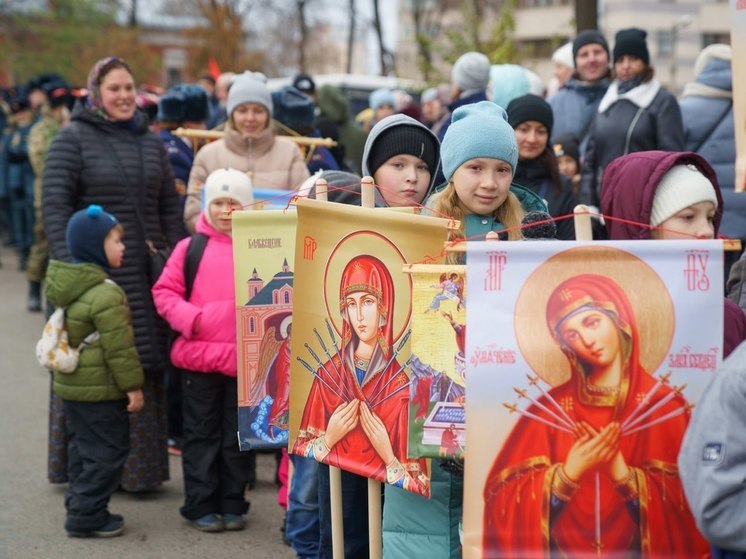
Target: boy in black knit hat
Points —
{"points": [[107, 382], [402, 155]]}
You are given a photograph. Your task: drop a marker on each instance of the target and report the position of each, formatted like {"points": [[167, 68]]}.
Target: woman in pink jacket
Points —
{"points": [[215, 471]]}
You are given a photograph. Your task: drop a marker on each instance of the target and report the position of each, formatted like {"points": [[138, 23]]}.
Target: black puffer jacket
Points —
{"points": [[80, 170]]}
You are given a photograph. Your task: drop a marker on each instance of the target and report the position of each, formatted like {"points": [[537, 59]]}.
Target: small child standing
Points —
{"points": [[401, 154], [107, 383], [216, 472]]}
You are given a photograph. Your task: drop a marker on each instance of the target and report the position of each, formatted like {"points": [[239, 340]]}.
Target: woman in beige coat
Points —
{"points": [[249, 144]]}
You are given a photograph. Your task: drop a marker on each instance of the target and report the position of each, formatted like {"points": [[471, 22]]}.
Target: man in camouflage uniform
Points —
{"points": [[54, 114]]}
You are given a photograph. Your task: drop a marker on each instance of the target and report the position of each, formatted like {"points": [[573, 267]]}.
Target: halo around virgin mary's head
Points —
{"points": [[648, 295], [387, 252]]}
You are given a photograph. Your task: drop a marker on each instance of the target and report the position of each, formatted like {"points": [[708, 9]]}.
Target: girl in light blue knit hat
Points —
{"points": [[479, 155]]}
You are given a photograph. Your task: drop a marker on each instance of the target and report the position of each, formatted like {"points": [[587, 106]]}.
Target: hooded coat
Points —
{"points": [[378, 129], [712, 461], [707, 114], [109, 367], [628, 192]]}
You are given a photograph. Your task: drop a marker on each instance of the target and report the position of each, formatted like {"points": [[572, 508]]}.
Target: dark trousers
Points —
{"points": [[216, 472], [98, 445], [354, 514], [173, 403]]}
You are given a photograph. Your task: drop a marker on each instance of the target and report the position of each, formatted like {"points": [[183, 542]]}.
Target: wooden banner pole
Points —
{"points": [[335, 474], [375, 532], [583, 229], [322, 190], [193, 133], [335, 495]]}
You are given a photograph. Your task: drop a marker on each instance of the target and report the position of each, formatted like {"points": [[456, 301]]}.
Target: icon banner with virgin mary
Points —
{"points": [[350, 373], [584, 361], [263, 253]]}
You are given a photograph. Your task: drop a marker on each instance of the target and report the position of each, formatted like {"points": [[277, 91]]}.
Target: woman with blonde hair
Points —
{"points": [[249, 144]]}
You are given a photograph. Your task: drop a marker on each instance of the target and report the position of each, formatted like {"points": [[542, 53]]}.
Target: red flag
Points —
{"points": [[214, 68]]}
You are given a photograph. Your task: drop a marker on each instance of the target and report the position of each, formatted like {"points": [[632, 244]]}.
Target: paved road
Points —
{"points": [[32, 511]]}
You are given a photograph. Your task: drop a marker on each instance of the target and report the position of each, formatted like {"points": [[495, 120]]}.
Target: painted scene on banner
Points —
{"points": [[584, 363], [437, 422], [264, 300], [351, 345]]}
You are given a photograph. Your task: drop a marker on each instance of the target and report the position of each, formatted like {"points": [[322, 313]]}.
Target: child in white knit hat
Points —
{"points": [[667, 195], [203, 314]]}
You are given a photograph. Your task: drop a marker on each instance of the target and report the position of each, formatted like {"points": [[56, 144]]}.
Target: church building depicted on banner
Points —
{"points": [[268, 305]]}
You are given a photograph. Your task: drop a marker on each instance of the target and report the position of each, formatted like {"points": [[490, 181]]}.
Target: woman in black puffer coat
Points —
{"points": [[106, 155], [532, 118]]}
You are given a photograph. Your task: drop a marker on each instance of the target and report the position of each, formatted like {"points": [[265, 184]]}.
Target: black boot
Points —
{"points": [[33, 303]]}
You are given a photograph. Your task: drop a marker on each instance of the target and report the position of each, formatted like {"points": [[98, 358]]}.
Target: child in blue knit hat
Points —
{"points": [[479, 156], [107, 383]]}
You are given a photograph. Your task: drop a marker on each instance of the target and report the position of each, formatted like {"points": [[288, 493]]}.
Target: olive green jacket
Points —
{"points": [[109, 367]]}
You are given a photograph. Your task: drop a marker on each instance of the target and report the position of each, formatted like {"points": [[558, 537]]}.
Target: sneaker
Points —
{"points": [[234, 522], [114, 527], [209, 523]]}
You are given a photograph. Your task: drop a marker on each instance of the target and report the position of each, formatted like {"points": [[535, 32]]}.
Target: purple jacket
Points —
{"points": [[213, 300], [627, 192]]}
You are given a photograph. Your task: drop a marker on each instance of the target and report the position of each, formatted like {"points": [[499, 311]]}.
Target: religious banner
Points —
{"points": [[738, 63], [350, 375], [263, 252], [437, 424], [584, 361]]}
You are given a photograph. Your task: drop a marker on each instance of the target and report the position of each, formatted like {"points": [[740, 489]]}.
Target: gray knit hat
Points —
{"points": [[471, 71], [249, 87]]}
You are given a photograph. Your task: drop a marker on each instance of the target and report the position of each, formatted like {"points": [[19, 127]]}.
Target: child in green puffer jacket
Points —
{"points": [[107, 383]]}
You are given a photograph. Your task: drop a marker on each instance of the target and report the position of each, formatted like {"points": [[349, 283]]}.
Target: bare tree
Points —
{"points": [[219, 30], [586, 15], [133, 14], [427, 16], [303, 29], [351, 35], [386, 57]]}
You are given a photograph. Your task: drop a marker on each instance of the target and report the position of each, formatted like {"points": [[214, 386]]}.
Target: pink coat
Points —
{"points": [[213, 299]]}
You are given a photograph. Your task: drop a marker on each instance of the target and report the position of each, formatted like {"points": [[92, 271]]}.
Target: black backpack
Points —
{"points": [[193, 257]]}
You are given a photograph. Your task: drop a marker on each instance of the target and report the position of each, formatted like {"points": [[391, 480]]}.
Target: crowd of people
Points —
{"points": [[95, 188]]}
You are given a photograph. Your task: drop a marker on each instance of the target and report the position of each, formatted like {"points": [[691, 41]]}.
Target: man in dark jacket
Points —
{"points": [[575, 104]]}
